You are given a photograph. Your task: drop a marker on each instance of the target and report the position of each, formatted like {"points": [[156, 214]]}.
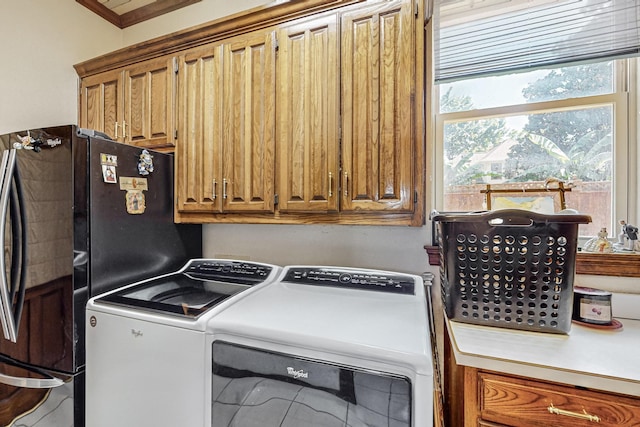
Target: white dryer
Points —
{"points": [[324, 346], [147, 346]]}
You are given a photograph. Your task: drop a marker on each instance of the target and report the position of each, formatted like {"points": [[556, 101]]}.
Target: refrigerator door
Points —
{"points": [[37, 236], [67, 235]]}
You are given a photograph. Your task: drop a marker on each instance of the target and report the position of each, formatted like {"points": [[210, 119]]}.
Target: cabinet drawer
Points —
{"points": [[517, 402]]}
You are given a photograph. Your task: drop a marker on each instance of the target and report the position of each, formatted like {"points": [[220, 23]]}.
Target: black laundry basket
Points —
{"points": [[509, 268]]}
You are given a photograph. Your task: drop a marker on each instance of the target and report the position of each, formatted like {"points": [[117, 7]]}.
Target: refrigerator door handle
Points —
{"points": [[31, 382], [8, 324], [49, 381]]}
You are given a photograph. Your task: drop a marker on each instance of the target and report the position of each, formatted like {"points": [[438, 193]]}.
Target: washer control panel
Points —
{"points": [[370, 280], [223, 270]]}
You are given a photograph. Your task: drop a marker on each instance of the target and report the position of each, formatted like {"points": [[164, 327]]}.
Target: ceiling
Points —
{"points": [[124, 13]]}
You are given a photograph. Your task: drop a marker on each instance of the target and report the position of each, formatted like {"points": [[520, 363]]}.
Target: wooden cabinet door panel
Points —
{"points": [[523, 402], [198, 154], [249, 123], [308, 109], [378, 81], [101, 103], [149, 90]]}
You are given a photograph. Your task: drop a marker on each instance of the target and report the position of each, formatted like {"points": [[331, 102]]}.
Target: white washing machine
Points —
{"points": [[147, 347], [323, 346]]}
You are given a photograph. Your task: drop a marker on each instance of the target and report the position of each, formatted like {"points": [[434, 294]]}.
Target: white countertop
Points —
{"points": [[599, 359]]}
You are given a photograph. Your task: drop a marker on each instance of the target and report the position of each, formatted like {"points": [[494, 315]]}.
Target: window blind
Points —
{"points": [[490, 37]]}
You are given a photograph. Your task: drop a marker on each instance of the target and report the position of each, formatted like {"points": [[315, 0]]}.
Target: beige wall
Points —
{"points": [[40, 40], [384, 247]]}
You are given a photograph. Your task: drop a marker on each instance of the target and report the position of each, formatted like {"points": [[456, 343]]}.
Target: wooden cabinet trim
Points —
{"points": [[242, 22], [357, 218]]}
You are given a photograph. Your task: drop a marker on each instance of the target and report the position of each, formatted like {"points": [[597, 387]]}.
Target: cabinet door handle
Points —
{"points": [[116, 126], [583, 416], [215, 189], [346, 184], [224, 188], [330, 184], [124, 129]]}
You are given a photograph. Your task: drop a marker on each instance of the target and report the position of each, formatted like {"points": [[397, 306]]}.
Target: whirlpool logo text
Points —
{"points": [[300, 373]]}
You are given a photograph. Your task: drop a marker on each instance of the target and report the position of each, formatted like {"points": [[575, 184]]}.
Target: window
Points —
{"points": [[522, 129], [522, 106]]}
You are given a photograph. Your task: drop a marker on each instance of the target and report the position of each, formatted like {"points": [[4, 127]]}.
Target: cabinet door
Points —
{"points": [[101, 103], [249, 123], [308, 109], [378, 83], [198, 154], [149, 110]]}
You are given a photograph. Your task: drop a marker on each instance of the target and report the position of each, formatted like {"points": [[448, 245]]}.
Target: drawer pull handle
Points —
{"points": [[583, 416]]}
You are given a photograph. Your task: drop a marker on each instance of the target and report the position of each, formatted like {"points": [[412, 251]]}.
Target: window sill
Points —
{"points": [[620, 265]]}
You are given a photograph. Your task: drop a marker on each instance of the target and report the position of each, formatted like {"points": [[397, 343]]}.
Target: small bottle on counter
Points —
{"points": [[592, 306]]}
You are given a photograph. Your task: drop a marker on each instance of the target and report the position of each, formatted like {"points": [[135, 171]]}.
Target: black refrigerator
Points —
{"points": [[80, 215]]}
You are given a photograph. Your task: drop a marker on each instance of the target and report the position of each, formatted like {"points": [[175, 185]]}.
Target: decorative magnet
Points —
{"points": [[145, 165], [133, 183], [134, 197], [109, 174], [135, 202], [109, 163], [108, 159], [28, 143]]}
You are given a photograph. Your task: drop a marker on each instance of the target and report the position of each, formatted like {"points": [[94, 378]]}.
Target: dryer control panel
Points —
{"points": [[370, 280]]}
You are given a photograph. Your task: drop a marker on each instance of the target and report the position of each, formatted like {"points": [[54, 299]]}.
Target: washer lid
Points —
{"points": [[198, 287]]}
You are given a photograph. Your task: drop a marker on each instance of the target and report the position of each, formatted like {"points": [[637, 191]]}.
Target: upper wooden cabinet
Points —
{"points": [[101, 102], [134, 105], [308, 112], [292, 115], [378, 108], [248, 123], [198, 156], [225, 159]]}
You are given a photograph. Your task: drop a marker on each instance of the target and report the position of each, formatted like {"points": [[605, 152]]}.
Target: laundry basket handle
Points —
{"points": [[519, 217]]}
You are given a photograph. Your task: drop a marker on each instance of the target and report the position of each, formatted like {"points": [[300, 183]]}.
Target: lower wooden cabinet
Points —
{"points": [[479, 397], [497, 399]]}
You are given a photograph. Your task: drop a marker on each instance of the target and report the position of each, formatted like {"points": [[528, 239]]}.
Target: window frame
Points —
{"points": [[624, 100]]}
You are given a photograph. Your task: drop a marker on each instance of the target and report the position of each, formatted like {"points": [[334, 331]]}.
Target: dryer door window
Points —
{"points": [[256, 388]]}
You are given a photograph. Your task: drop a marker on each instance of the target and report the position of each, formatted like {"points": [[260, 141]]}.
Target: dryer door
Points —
{"points": [[257, 388]]}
